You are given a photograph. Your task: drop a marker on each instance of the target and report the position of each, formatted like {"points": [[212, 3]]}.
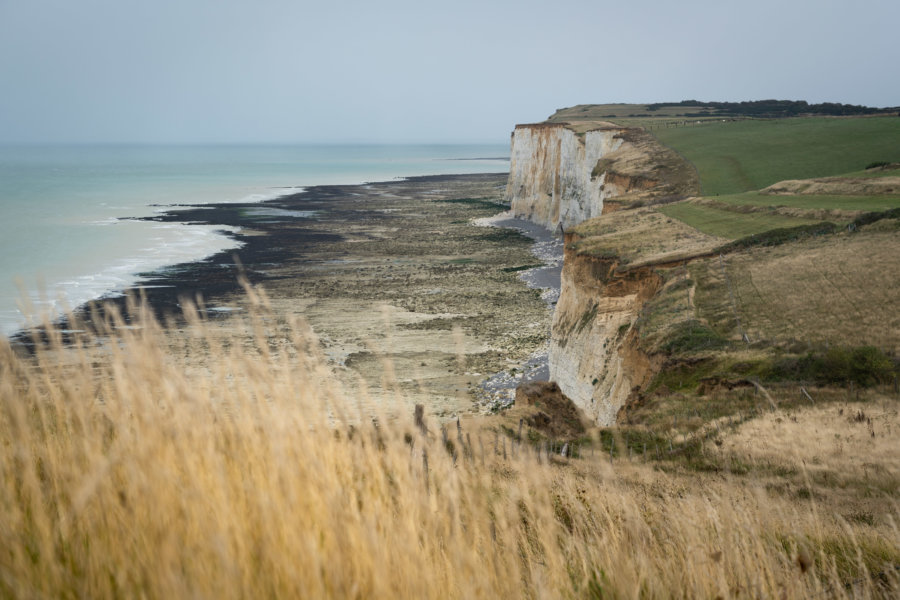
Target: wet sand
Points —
{"points": [[412, 302]]}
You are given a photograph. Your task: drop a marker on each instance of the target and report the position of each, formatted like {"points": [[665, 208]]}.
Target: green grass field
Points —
{"points": [[868, 203], [726, 223], [739, 156]]}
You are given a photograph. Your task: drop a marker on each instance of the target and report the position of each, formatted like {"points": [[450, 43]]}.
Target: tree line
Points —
{"points": [[772, 108]]}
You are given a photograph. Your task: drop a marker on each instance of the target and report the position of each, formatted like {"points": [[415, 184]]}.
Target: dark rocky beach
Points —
{"points": [[411, 296]]}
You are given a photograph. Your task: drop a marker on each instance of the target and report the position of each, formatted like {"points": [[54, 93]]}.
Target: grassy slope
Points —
{"points": [[808, 321], [839, 289], [739, 156], [726, 223], [811, 201], [774, 303], [776, 314], [735, 158], [794, 300]]}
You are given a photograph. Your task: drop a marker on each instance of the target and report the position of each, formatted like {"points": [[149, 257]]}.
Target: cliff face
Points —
{"points": [[592, 354], [552, 178], [566, 174], [563, 175]]}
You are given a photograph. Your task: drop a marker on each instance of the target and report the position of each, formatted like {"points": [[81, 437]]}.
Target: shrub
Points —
{"points": [[862, 365], [783, 235], [872, 217]]}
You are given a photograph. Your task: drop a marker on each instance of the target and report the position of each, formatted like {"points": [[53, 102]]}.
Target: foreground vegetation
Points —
{"points": [[126, 474]]}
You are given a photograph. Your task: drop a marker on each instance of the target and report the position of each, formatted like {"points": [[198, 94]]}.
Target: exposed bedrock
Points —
{"points": [[550, 173], [562, 174], [593, 357]]}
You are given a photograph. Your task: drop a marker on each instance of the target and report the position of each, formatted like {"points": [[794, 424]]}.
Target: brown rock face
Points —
{"points": [[593, 354], [553, 413]]}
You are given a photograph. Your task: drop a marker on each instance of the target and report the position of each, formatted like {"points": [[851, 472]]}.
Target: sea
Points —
{"points": [[71, 217]]}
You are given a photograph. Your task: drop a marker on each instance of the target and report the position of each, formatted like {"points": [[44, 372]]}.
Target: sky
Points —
{"points": [[397, 71]]}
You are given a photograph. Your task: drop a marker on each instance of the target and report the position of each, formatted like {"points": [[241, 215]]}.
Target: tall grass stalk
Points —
{"points": [[125, 474]]}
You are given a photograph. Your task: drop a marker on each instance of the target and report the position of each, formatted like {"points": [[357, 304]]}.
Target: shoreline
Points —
{"points": [[75, 215], [499, 390], [382, 271]]}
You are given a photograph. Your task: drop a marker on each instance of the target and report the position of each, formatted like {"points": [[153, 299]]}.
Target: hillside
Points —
{"points": [[750, 325], [780, 268]]}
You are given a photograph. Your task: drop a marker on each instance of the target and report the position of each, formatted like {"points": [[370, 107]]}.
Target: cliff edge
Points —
{"points": [[566, 175], [563, 174]]}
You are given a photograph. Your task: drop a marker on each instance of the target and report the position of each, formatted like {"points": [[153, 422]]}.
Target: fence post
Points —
{"points": [[425, 468], [419, 416]]}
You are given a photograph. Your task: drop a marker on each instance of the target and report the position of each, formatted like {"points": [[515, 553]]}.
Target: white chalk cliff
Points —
{"points": [[558, 176], [593, 356], [552, 177]]}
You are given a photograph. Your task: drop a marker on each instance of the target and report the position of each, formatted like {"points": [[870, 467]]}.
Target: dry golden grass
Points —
{"points": [[642, 236], [845, 453], [123, 475], [837, 289], [837, 186]]}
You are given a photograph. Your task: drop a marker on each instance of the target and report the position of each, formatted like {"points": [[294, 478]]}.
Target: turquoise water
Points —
{"points": [[68, 232]]}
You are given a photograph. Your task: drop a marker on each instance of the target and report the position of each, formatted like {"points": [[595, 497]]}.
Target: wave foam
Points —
{"points": [[166, 245]]}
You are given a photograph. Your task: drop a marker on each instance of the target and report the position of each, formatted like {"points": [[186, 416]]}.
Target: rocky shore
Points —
{"points": [[411, 300]]}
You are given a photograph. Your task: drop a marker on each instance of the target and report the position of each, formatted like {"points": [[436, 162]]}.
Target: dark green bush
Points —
{"points": [[863, 365], [872, 217], [775, 237]]}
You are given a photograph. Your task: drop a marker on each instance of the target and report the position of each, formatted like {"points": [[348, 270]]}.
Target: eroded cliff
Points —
{"points": [[591, 357], [552, 178], [569, 175], [562, 174]]}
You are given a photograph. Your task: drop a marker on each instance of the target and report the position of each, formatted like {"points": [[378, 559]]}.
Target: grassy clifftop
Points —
{"points": [[780, 276], [739, 156]]}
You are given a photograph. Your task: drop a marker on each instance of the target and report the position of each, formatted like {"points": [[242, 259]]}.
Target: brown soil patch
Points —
{"points": [[546, 409]]}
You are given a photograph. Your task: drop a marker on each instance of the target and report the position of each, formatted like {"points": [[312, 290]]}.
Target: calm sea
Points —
{"points": [[68, 214]]}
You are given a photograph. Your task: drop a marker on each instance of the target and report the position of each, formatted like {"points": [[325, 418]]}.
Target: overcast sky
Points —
{"points": [[414, 71]]}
